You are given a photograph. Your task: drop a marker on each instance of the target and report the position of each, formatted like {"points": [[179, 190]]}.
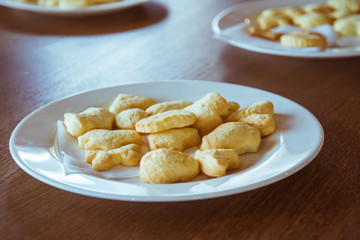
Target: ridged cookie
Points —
{"points": [[168, 166], [303, 39]]}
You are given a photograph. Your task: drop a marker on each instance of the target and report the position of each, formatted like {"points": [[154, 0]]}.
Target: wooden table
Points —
{"points": [[45, 58]]}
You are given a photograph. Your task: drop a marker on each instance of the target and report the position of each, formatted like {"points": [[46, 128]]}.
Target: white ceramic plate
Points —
{"points": [[74, 11], [297, 140], [229, 26]]}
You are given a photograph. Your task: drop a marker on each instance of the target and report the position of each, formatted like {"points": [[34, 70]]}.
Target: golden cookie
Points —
{"points": [[102, 160], [259, 115], [292, 11], [166, 120], [175, 139], [339, 13], [100, 139], [348, 26], [127, 101], [167, 166], [312, 19], [208, 111], [303, 39], [128, 118], [352, 5], [167, 106], [268, 22], [233, 135], [318, 7], [215, 162], [91, 118]]}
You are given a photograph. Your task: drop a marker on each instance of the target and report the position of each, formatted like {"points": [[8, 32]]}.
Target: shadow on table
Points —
{"points": [[125, 20]]}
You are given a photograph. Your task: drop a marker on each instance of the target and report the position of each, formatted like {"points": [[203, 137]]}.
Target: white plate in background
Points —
{"points": [[229, 26], [74, 11], [295, 143]]}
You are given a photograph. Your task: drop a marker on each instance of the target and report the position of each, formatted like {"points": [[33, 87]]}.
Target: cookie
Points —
{"points": [[208, 111], [164, 121], [312, 19], [127, 101], [215, 162], [268, 22], [352, 5], [100, 139], [348, 26], [168, 166], [303, 39], [318, 7], [102, 160], [91, 118], [175, 139], [259, 115], [167, 106], [233, 135], [128, 118]]}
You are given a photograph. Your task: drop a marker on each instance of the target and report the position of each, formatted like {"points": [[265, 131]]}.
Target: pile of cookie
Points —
{"points": [[342, 15], [221, 129]]}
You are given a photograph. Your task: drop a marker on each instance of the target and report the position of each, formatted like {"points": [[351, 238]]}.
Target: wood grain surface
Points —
{"points": [[45, 58]]}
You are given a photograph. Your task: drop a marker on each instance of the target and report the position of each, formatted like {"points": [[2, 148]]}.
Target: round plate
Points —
{"points": [[296, 141], [74, 11], [229, 26]]}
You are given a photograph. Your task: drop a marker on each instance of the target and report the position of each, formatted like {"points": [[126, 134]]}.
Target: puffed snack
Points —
{"points": [[127, 101], [168, 166], [348, 26], [233, 135], [175, 139], [303, 39], [103, 160], [208, 111], [101, 139], [352, 5], [167, 106], [165, 120], [312, 19], [215, 162], [259, 115], [128, 118], [91, 118]]}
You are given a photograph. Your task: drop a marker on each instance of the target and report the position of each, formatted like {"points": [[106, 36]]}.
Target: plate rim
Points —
{"points": [[155, 198], [296, 54], [73, 11]]}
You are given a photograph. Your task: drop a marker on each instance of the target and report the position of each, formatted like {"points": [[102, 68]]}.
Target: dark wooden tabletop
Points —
{"points": [[44, 58]]}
